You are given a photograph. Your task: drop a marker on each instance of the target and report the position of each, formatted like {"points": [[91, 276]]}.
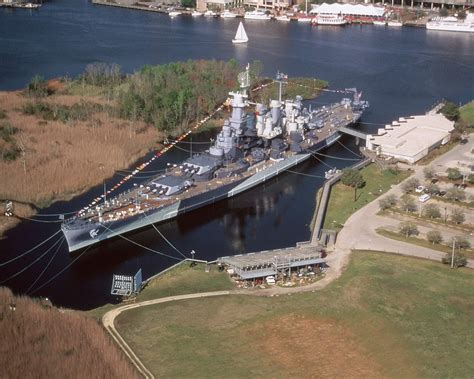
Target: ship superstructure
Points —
{"points": [[251, 148]]}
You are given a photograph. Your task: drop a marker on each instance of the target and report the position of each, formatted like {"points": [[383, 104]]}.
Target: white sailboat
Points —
{"points": [[240, 36]]}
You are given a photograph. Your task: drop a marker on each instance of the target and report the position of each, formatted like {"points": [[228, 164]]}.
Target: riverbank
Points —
{"points": [[57, 160]]}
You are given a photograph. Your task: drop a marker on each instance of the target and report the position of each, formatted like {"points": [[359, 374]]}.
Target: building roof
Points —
{"points": [[349, 9], [410, 136]]}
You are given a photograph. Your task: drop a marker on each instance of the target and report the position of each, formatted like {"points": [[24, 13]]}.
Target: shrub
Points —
{"points": [[432, 188], [7, 131], [434, 237], [10, 154], [470, 179], [3, 114], [38, 87]]}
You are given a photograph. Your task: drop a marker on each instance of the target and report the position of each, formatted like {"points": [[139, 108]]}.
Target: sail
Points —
{"points": [[241, 35]]}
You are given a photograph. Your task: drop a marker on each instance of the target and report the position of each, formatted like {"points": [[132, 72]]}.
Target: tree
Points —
{"points": [[459, 259], [470, 179], [432, 211], [455, 193], [408, 229], [443, 12], [407, 204], [352, 178], [188, 3], [432, 188], [388, 202], [450, 111], [457, 216], [434, 237], [429, 172], [460, 242], [454, 173], [410, 184]]}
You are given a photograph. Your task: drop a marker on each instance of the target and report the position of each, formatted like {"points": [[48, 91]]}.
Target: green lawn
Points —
{"points": [[467, 113], [183, 279], [388, 315], [341, 201]]}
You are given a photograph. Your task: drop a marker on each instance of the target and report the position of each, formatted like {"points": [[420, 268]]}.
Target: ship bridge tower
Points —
{"points": [[239, 101]]}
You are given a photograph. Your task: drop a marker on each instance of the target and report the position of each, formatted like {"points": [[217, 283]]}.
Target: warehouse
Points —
{"points": [[412, 138]]}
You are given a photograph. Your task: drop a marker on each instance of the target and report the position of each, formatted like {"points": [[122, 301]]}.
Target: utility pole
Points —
{"points": [[452, 254]]}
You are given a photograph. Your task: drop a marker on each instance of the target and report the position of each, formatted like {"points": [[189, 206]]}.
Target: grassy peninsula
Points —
{"points": [[60, 137]]}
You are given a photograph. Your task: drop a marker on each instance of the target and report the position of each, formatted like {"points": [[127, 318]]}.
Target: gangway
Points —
{"points": [[353, 132]]}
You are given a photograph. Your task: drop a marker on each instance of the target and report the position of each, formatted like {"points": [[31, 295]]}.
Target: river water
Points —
{"points": [[402, 71]]}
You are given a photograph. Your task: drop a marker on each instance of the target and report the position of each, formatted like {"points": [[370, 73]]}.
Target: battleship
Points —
{"points": [[251, 148]]}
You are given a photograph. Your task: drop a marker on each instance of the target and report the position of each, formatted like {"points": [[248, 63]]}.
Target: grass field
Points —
{"points": [[387, 316], [341, 201], [181, 280], [467, 113]]}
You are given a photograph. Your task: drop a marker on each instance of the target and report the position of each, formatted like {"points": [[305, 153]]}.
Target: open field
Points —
{"points": [[387, 316], [41, 341], [341, 202], [182, 279]]}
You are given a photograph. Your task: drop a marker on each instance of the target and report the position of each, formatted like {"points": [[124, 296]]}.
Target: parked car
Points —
{"points": [[424, 198], [419, 189], [442, 193], [270, 280], [463, 186], [434, 181]]}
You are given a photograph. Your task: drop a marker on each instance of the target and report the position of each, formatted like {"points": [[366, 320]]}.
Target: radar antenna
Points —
{"points": [[244, 78], [280, 78]]}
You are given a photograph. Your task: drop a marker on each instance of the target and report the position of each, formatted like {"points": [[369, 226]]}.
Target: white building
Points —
{"points": [[358, 10], [410, 139]]}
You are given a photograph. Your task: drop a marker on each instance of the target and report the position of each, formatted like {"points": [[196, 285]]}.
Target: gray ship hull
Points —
{"points": [[80, 236]]}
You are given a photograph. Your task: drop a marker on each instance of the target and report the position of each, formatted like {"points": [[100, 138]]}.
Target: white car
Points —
{"points": [[424, 198], [419, 189], [270, 280]]}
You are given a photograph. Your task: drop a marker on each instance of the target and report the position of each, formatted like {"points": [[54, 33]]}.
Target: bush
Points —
{"points": [[7, 132], [10, 154], [410, 184], [434, 237], [38, 87], [100, 74], [432, 188], [3, 114], [470, 179], [454, 173]]}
